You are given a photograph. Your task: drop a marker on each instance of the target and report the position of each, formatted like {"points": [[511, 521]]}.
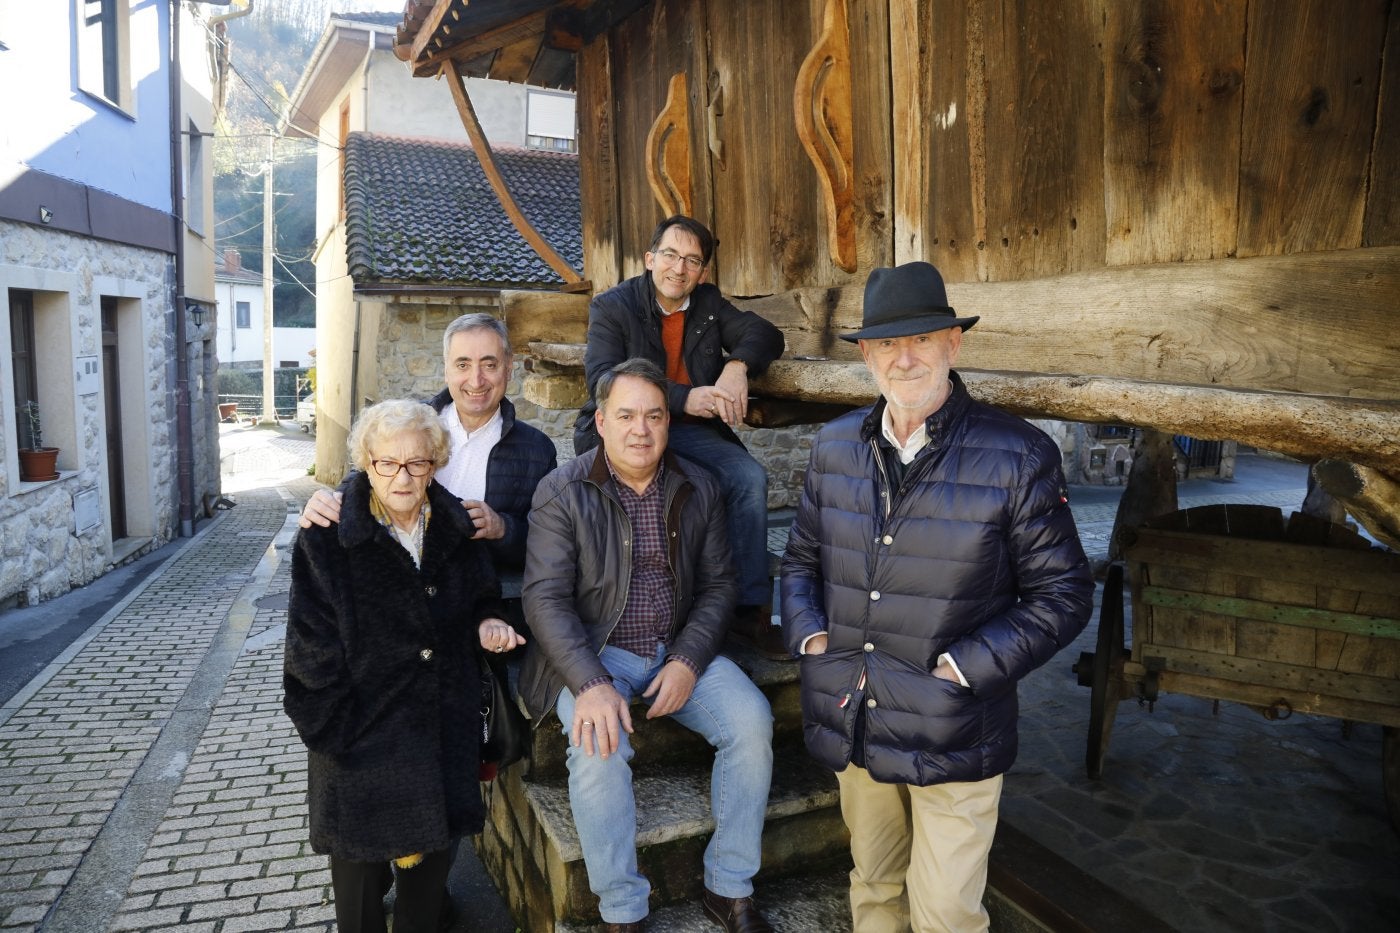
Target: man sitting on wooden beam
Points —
{"points": [[708, 350]]}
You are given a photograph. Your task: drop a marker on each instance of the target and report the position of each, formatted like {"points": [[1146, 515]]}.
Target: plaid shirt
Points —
{"points": [[651, 594]]}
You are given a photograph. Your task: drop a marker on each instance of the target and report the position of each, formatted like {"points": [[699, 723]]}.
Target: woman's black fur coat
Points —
{"points": [[382, 682]]}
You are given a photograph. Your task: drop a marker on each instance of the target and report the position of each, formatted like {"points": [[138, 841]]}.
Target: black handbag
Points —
{"points": [[505, 732]]}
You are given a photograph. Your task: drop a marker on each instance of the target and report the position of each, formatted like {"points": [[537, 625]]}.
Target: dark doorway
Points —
{"points": [[111, 389]]}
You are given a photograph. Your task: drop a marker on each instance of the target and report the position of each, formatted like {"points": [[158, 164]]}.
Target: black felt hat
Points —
{"points": [[904, 301]]}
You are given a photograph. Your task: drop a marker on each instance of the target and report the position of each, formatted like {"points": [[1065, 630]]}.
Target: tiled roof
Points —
{"points": [[420, 211]]}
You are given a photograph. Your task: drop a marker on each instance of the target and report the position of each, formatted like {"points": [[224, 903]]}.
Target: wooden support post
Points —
{"points": [[456, 80], [1151, 489], [1372, 497]]}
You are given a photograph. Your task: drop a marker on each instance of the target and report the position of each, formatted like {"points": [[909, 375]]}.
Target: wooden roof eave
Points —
{"points": [[436, 32]]}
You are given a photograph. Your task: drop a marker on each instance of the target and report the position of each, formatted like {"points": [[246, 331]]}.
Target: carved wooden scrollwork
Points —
{"points": [[668, 151], [822, 107]]}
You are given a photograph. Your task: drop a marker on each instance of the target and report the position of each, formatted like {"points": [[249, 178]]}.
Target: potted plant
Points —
{"points": [[36, 463]]}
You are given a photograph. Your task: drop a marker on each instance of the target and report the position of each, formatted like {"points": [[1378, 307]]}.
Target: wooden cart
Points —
{"points": [[1230, 602]]}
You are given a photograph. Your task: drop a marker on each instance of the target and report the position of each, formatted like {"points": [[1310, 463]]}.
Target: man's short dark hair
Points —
{"points": [[637, 367], [690, 225]]}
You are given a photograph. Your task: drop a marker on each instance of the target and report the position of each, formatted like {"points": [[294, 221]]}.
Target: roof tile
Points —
{"points": [[421, 211]]}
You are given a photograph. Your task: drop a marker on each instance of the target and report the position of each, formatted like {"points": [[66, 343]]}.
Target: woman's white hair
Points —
{"points": [[397, 416]]}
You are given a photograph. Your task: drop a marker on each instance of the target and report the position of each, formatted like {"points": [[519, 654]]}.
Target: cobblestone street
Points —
{"points": [[149, 780]]}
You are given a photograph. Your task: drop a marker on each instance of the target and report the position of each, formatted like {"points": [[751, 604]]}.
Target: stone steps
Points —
{"points": [[531, 847], [813, 901]]}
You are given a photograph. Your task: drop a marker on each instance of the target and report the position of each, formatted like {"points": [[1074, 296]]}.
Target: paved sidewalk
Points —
{"points": [[149, 781], [109, 744]]}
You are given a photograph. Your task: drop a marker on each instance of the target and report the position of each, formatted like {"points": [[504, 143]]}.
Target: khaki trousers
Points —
{"points": [[920, 853]]}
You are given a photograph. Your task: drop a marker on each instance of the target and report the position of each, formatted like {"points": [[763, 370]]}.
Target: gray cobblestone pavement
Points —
{"points": [[149, 781]]}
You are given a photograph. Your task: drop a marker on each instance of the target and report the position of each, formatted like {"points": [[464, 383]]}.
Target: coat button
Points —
{"points": [[870, 703], [426, 654], [430, 590], [874, 594], [888, 539], [869, 647]]}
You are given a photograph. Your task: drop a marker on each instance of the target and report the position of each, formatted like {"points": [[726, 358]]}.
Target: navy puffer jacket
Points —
{"points": [[975, 555]]}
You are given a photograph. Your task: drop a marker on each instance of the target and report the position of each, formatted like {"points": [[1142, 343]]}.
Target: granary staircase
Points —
{"points": [[531, 850]]}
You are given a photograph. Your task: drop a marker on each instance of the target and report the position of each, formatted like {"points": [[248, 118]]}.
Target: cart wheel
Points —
{"points": [[1390, 772], [1106, 672]]}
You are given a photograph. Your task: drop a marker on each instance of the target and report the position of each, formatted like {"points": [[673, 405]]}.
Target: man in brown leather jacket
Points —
{"points": [[629, 588]]}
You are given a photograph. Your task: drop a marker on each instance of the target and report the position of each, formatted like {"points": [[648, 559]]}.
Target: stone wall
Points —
{"points": [[44, 552]]}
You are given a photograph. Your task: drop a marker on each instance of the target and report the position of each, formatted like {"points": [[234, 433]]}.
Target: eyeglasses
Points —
{"points": [[390, 468], [670, 257]]}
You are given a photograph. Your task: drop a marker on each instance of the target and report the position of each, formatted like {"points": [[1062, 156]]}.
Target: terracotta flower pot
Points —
{"points": [[38, 465]]}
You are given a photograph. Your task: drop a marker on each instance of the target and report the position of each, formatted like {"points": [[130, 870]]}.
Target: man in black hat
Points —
{"points": [[933, 563]]}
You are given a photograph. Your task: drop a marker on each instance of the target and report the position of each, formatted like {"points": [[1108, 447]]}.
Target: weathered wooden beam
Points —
{"points": [[545, 317], [1372, 497], [1303, 426], [456, 80], [1314, 323], [569, 355], [783, 413], [427, 57]]}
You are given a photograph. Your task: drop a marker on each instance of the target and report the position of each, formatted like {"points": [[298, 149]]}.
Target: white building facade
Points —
{"points": [[105, 272]]}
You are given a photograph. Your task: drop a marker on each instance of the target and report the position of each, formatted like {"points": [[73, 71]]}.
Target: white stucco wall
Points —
{"points": [[49, 124]]}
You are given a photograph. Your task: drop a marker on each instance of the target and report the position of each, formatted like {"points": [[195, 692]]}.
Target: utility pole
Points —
{"points": [[269, 415]]}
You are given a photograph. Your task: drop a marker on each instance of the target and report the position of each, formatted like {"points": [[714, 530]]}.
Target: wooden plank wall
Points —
{"points": [[599, 187], [1311, 83], [1383, 204], [1010, 140], [647, 48], [1174, 75]]}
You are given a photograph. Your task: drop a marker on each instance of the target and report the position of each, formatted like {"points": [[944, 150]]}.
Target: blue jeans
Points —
{"points": [[745, 486], [733, 716]]}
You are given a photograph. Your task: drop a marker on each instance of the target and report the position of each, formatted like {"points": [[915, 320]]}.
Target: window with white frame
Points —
{"points": [[242, 315], [549, 121], [104, 50]]}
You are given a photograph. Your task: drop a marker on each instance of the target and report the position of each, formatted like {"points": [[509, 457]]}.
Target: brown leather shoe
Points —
{"points": [[753, 626], [735, 914], [635, 927]]}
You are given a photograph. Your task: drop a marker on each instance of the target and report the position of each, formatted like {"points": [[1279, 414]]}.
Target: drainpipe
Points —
{"points": [[355, 365], [184, 435]]}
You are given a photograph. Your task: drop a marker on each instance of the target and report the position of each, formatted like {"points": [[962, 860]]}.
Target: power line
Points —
{"points": [[292, 276]]}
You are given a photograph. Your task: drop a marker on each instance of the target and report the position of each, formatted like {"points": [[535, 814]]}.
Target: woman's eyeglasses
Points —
{"points": [[390, 468]]}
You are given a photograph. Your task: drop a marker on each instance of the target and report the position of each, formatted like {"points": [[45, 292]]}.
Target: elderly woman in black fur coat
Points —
{"points": [[388, 612]]}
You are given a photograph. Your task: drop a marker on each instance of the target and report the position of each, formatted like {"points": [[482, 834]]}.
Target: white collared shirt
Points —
{"points": [[465, 473], [910, 448]]}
